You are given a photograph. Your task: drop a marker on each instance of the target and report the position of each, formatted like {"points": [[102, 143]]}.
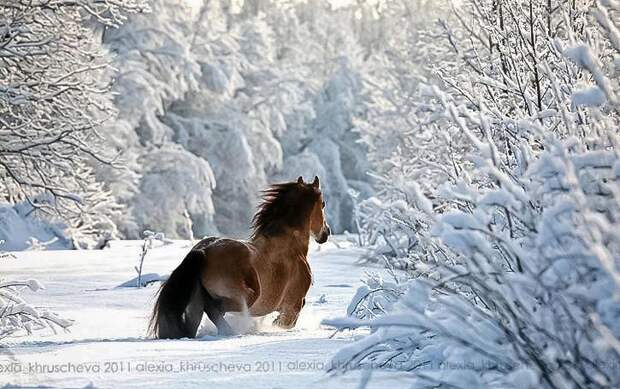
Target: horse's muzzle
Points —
{"points": [[323, 238]]}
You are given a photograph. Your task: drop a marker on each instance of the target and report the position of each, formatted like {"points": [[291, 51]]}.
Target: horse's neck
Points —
{"points": [[284, 247]]}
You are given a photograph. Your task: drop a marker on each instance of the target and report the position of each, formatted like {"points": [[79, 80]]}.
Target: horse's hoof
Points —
{"points": [[282, 324]]}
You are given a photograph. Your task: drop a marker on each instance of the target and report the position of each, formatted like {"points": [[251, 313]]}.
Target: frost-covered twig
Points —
{"points": [[147, 244]]}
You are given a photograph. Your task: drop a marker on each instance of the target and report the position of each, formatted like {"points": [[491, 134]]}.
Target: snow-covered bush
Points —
{"points": [[407, 155], [86, 222], [513, 256], [18, 227], [17, 316], [377, 296]]}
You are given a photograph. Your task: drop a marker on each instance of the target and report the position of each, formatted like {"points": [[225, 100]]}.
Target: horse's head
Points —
{"points": [[319, 229], [292, 207]]}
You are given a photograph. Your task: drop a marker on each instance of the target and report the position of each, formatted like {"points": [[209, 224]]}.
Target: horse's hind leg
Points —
{"points": [[193, 311], [213, 309]]}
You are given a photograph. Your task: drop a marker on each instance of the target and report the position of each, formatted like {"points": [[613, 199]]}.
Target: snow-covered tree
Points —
{"points": [[163, 205], [512, 250], [321, 138], [53, 101], [156, 67], [237, 89], [231, 120]]}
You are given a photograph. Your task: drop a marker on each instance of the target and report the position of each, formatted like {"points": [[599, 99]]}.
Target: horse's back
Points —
{"points": [[212, 242]]}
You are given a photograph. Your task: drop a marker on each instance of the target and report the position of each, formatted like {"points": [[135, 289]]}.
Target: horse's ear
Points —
{"points": [[315, 183], [300, 180]]}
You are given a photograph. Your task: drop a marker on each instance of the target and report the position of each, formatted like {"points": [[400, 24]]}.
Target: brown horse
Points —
{"points": [[268, 273]]}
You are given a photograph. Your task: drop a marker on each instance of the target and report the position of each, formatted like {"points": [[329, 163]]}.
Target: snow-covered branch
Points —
{"points": [[16, 315], [503, 201], [53, 101]]}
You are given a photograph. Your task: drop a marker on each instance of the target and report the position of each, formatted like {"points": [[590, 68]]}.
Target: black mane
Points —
{"points": [[286, 205]]}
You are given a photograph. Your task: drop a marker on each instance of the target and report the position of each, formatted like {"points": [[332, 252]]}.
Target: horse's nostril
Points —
{"points": [[329, 231]]}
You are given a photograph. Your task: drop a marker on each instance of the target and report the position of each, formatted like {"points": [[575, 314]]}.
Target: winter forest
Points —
{"points": [[469, 158]]}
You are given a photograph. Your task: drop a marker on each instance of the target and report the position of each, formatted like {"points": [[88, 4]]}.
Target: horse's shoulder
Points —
{"points": [[304, 272]]}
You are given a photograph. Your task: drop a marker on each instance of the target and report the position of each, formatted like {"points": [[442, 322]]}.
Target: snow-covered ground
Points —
{"points": [[107, 346]]}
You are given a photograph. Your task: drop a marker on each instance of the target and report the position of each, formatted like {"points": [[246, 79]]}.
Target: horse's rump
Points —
{"points": [[232, 279], [215, 277], [168, 319]]}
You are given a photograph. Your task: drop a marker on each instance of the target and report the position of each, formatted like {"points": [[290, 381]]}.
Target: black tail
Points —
{"points": [[171, 318]]}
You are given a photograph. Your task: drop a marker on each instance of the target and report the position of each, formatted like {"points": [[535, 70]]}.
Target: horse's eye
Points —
{"points": [[323, 203]]}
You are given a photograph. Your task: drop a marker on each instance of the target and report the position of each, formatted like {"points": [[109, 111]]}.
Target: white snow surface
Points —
{"points": [[107, 346]]}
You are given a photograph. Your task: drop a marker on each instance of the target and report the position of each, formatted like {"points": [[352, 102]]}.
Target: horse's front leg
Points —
{"points": [[295, 298], [289, 314]]}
